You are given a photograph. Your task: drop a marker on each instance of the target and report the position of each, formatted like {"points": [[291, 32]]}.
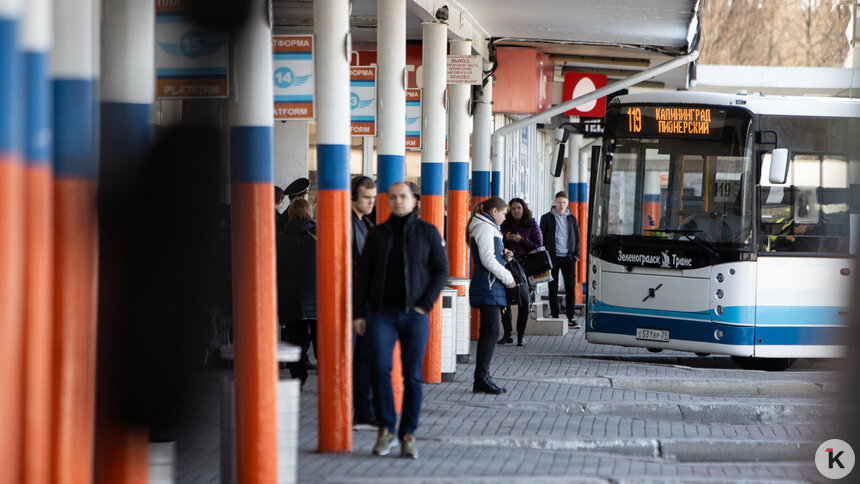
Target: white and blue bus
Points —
{"points": [[720, 224]]}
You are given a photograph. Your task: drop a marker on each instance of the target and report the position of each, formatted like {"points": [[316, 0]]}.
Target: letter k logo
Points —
{"points": [[834, 459]]}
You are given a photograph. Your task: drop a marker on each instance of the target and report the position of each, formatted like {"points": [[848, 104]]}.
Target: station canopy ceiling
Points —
{"points": [[614, 37]]}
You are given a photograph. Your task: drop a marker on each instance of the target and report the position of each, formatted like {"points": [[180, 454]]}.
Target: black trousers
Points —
{"points": [[362, 373], [299, 333], [522, 316], [487, 339], [567, 266]]}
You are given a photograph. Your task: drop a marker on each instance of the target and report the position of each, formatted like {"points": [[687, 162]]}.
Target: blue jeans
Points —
{"points": [[383, 330]]}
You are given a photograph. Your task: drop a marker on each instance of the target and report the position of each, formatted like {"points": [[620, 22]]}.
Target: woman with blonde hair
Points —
{"points": [[489, 280]]}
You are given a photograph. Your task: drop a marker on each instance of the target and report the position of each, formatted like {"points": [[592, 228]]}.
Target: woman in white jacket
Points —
{"points": [[489, 279]]}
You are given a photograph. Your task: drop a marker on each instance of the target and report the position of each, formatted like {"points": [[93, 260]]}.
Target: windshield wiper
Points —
{"points": [[692, 239]]}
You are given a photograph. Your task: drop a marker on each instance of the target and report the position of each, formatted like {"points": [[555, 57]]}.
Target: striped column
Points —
{"points": [[575, 186], [391, 142], [127, 94], [391, 161], [482, 131], [458, 167], [11, 240], [651, 205], [253, 236], [434, 61], [74, 68], [38, 260], [582, 218], [334, 249]]}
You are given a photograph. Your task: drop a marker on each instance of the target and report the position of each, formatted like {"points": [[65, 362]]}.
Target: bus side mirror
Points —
{"points": [[778, 166], [557, 159]]}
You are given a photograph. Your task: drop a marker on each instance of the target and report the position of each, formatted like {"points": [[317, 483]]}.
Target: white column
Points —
{"points": [[482, 131], [391, 72]]}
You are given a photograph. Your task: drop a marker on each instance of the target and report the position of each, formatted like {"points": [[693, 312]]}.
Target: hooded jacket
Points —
{"points": [[489, 276], [547, 228]]}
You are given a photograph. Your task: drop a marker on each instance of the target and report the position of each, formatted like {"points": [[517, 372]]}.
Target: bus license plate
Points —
{"points": [[653, 334]]}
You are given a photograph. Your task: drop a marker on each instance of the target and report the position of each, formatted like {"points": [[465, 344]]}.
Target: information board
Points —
{"points": [[413, 119], [362, 100], [190, 61], [293, 76]]}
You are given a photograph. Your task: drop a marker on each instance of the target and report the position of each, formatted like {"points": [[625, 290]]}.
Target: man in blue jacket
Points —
{"points": [[561, 238], [402, 270]]}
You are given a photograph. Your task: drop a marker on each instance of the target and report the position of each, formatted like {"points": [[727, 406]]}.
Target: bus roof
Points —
{"points": [[757, 103]]}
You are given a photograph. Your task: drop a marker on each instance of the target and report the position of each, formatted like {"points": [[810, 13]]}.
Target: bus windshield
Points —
{"points": [[693, 184]]}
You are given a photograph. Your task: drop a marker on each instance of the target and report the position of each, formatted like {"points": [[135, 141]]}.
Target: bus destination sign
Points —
{"points": [[671, 122]]}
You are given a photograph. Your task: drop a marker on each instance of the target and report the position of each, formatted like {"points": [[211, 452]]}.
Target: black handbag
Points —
{"points": [[521, 290], [536, 262]]}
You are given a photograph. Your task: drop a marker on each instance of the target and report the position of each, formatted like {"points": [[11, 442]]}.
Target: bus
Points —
{"points": [[721, 224]]}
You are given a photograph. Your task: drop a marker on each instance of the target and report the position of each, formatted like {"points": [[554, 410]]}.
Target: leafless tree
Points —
{"points": [[774, 32]]}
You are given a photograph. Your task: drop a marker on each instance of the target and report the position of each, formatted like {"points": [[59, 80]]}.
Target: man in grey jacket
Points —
{"points": [[561, 239]]}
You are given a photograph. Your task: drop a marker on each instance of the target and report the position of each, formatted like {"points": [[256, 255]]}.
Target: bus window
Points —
{"points": [[809, 213]]}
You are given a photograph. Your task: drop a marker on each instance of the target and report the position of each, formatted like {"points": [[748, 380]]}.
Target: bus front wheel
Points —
{"points": [[764, 364]]}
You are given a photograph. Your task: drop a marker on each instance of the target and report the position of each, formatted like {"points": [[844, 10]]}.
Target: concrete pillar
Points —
{"points": [[38, 234], [459, 100], [482, 132], [434, 68], [74, 69], [11, 239], [334, 249], [253, 235], [574, 190], [582, 218], [127, 95], [391, 143], [291, 140]]}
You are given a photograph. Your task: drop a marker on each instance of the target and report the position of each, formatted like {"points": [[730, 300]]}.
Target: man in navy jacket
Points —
{"points": [[402, 270], [561, 239]]}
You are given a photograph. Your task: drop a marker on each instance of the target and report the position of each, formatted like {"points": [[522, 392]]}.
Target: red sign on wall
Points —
{"points": [[577, 84]]}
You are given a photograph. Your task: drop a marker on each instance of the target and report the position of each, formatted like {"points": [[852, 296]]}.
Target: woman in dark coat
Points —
{"points": [[297, 281], [522, 235]]}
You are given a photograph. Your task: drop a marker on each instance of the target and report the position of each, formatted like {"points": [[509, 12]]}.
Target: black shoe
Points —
{"points": [[521, 341], [572, 324], [506, 339], [487, 386]]}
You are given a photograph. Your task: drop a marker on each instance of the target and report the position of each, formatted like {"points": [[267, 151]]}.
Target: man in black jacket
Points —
{"points": [[561, 238], [402, 270], [363, 200]]}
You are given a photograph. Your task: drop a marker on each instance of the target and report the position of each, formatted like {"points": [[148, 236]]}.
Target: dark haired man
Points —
{"points": [[561, 238], [402, 270], [363, 200]]}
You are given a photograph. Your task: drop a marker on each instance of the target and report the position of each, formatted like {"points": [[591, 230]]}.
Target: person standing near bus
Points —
{"points": [[401, 273], [521, 235], [561, 238], [489, 280]]}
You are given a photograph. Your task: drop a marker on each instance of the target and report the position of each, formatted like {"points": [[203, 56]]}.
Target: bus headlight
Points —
{"points": [[719, 310], [594, 284], [594, 269], [719, 293], [594, 300], [718, 334], [720, 277]]}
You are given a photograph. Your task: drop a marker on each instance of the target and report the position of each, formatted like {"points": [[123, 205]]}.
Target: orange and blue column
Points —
{"points": [[582, 269], [253, 236], [459, 97], [391, 141], [74, 67], [127, 95], [482, 130], [38, 233], [334, 249], [434, 59], [651, 205], [576, 202], [11, 239]]}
